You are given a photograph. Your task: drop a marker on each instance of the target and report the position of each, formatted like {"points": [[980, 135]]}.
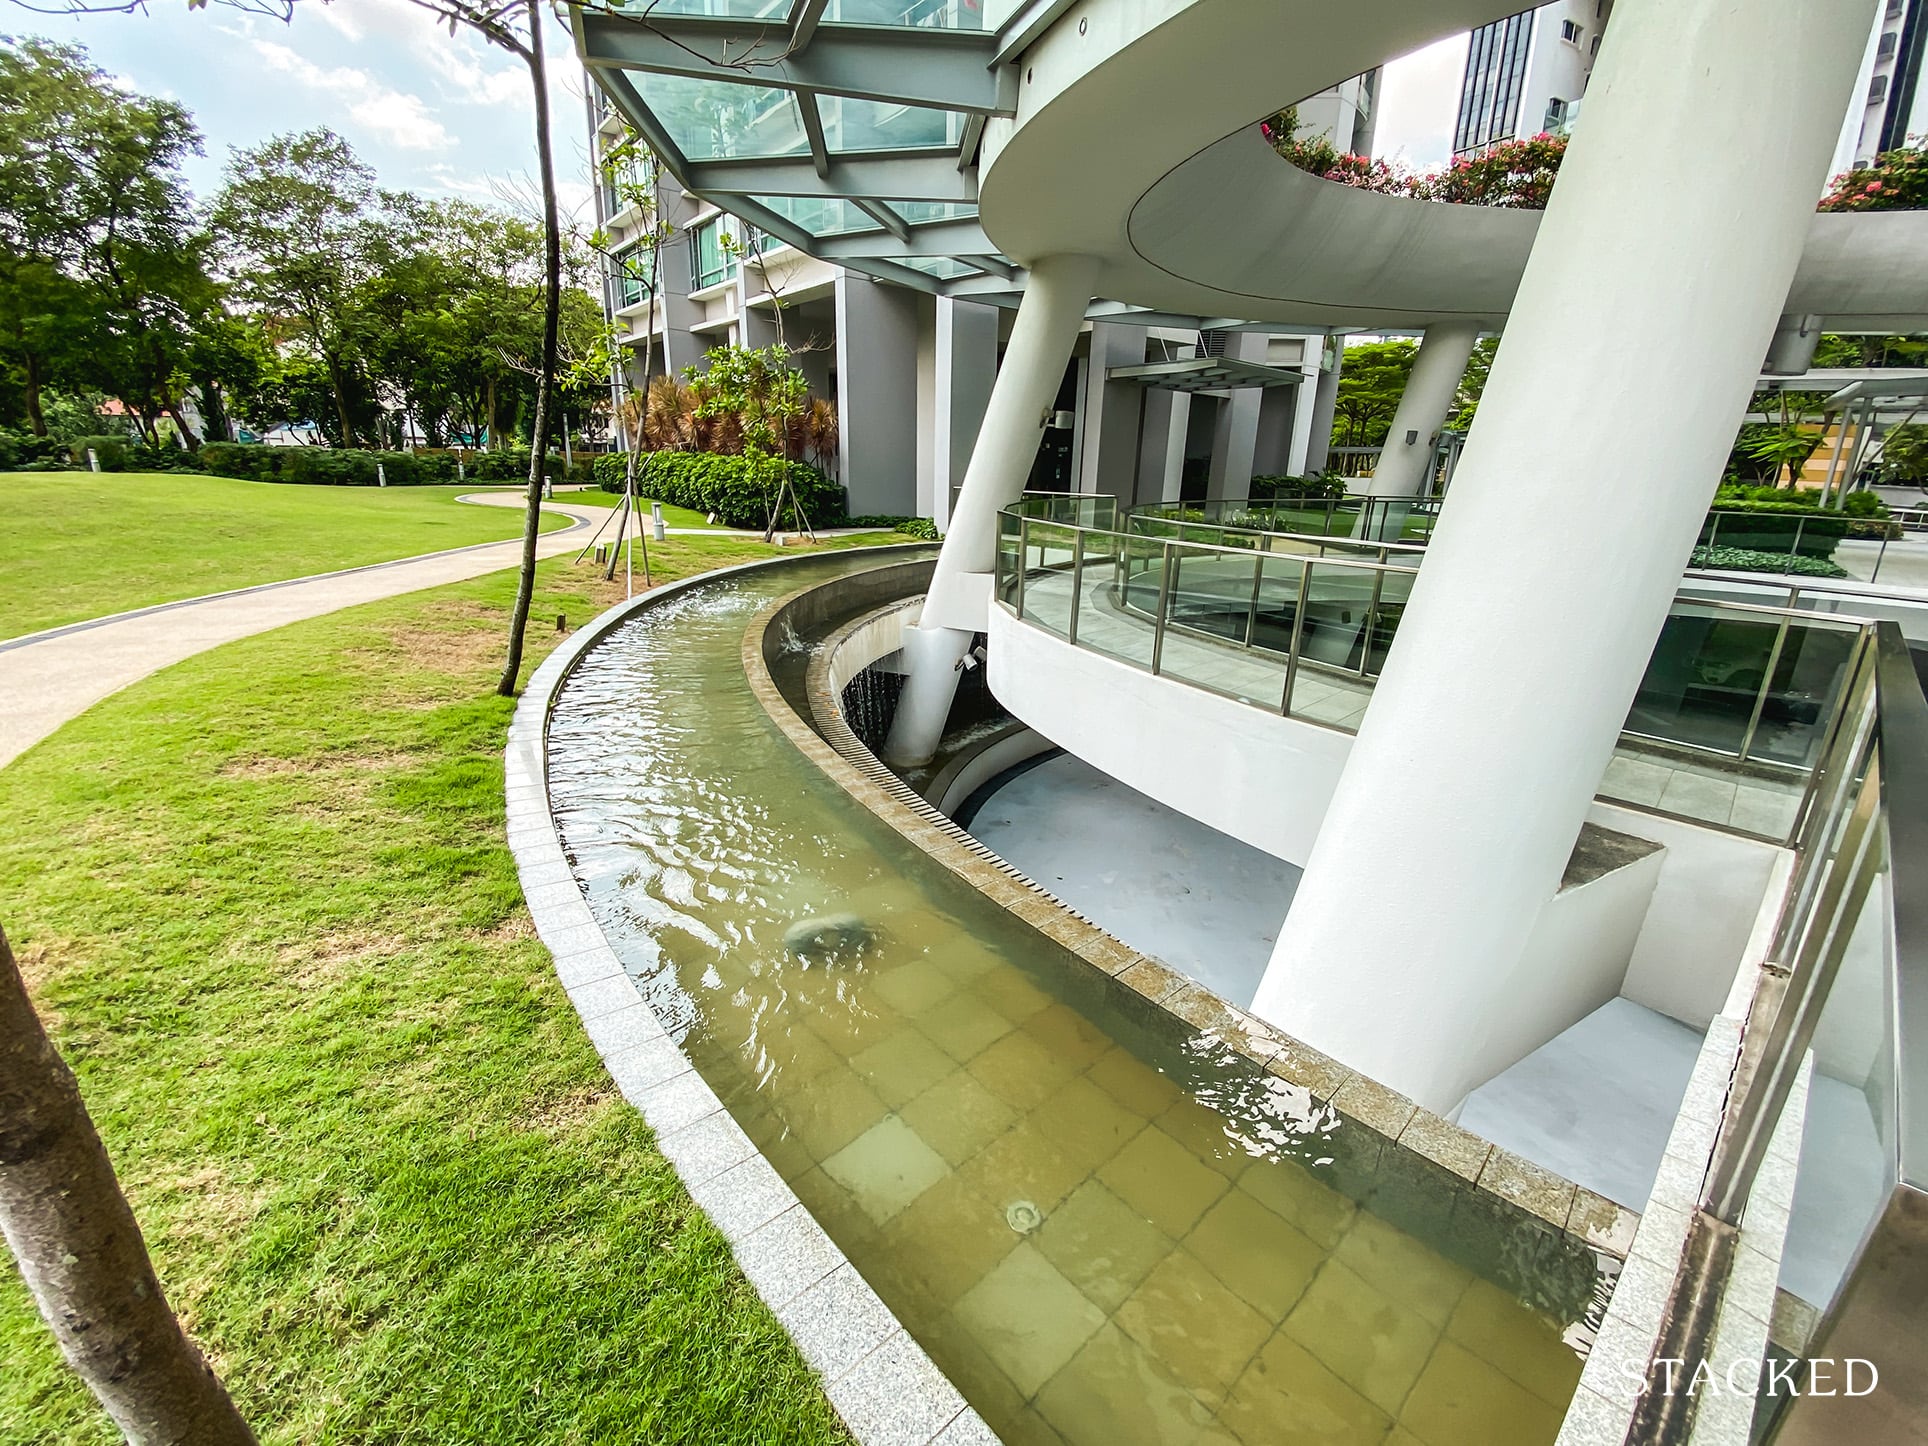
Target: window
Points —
{"points": [[1887, 46], [1570, 32], [710, 260], [633, 275], [1593, 49], [1878, 92], [1489, 96], [1556, 115]]}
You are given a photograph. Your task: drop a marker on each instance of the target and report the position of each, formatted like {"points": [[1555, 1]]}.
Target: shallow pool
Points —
{"points": [[1104, 1228]]}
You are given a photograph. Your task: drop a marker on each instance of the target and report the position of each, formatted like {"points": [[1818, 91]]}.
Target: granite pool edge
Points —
{"points": [[1603, 1226], [880, 1381]]}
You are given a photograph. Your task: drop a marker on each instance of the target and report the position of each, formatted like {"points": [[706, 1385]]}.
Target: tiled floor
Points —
{"points": [[1714, 793]]}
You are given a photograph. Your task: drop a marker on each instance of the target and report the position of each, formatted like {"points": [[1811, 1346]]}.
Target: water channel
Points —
{"points": [[1105, 1228]]}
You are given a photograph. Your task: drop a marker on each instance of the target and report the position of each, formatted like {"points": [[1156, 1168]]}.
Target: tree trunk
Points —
{"points": [[545, 379], [341, 398], [188, 439], [35, 419], [81, 1251]]}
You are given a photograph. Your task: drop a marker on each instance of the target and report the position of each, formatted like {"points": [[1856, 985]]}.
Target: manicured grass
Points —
{"points": [[264, 904], [83, 544], [672, 516]]}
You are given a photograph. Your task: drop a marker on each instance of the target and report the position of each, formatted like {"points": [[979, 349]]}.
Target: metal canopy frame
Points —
{"points": [[1207, 374], [808, 56]]}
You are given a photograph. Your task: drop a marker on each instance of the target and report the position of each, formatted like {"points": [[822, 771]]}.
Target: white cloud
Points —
{"points": [[1418, 102], [400, 119]]}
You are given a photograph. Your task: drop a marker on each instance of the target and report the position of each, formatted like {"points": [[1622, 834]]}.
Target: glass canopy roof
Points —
{"points": [[848, 128]]}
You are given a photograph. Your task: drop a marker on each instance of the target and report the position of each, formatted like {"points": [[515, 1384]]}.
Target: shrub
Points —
{"points": [[24, 452], [1743, 559], [112, 452], [724, 485], [910, 526], [1324, 487], [341, 467], [1897, 181]]}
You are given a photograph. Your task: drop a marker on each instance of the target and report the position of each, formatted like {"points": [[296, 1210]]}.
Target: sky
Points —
{"points": [[434, 113], [448, 115]]}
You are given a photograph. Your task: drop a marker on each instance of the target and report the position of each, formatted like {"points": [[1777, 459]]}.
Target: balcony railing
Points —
{"points": [[1729, 727]]}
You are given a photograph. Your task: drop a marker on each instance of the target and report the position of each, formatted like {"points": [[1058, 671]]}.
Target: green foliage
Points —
{"points": [[1904, 457], [111, 451], [1896, 181], [1327, 486], [1372, 377], [1516, 173], [921, 527], [738, 489], [1742, 559], [345, 467]]}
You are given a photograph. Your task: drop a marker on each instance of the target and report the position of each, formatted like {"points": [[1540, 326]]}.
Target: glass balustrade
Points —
{"points": [[1729, 725]]}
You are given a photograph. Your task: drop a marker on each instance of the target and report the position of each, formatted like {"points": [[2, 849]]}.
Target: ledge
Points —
{"points": [[882, 1383]]}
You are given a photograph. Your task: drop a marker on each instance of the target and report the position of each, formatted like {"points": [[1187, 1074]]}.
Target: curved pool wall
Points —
{"points": [[1102, 1222]]}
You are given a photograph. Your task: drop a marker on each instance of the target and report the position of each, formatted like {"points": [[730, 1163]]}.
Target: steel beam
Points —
{"points": [[948, 69], [879, 176]]}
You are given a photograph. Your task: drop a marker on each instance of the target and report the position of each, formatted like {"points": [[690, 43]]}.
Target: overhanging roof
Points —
{"points": [[1206, 374]]}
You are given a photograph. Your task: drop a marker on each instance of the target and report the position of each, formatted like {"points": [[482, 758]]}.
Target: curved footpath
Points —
{"points": [[56, 675]]}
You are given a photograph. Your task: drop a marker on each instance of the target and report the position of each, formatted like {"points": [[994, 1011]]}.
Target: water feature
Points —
{"points": [[1105, 1228]]}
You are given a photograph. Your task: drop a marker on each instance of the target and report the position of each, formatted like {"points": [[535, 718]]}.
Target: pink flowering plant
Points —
{"points": [[1896, 181]]}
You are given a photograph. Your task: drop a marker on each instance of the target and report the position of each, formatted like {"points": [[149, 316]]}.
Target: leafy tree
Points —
{"points": [[766, 395], [1371, 380], [101, 279], [293, 218]]}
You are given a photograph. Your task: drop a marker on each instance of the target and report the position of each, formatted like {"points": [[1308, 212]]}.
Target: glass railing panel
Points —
{"points": [[1214, 592], [1251, 675], [1049, 550], [1706, 674], [1141, 569], [1395, 590], [1850, 1145], [1327, 685], [1801, 696], [1111, 560], [1278, 606], [1009, 530]]}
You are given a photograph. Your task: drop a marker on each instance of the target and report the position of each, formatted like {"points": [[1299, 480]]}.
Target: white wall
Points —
{"points": [[1266, 780]]}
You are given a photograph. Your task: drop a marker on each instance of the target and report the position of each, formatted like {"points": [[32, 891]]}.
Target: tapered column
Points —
{"points": [[1325, 404], [1559, 552], [1055, 296], [1406, 461]]}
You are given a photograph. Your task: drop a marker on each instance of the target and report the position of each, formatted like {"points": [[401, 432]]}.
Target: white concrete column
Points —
{"points": [[1055, 296], [1235, 438], [1161, 444], [1108, 458], [1555, 563], [966, 368], [1325, 404], [876, 395], [1407, 459], [1305, 406]]}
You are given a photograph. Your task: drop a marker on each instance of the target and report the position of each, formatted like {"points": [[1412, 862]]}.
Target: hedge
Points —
{"points": [[712, 482], [1325, 486], [1770, 527], [342, 467], [1742, 559], [920, 527]]}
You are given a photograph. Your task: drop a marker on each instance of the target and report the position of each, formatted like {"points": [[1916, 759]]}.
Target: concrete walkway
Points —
{"points": [[56, 675]]}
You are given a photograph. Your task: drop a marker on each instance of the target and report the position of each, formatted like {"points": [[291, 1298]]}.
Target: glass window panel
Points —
{"points": [[710, 260], [722, 9], [850, 124], [930, 14], [944, 268], [712, 119], [916, 212], [820, 215]]}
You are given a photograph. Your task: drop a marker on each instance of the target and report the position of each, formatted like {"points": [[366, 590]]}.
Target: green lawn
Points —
{"points": [[83, 544], [265, 906], [672, 516]]}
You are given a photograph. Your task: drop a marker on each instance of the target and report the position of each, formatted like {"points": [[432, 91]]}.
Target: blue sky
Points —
{"points": [[431, 113], [450, 116]]}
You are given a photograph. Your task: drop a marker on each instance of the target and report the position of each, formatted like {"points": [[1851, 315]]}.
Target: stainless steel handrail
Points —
{"points": [[1118, 548]]}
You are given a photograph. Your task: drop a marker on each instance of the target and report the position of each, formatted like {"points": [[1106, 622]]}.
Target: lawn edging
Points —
{"points": [[880, 1380]]}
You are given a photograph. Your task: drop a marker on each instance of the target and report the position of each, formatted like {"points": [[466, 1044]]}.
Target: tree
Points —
{"points": [[766, 395], [97, 232], [293, 218], [1370, 384], [81, 1252]]}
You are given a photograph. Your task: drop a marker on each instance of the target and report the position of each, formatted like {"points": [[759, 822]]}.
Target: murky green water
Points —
{"points": [[1105, 1229]]}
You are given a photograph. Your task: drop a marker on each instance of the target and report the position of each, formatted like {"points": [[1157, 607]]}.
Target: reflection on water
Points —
{"points": [[1106, 1229]]}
